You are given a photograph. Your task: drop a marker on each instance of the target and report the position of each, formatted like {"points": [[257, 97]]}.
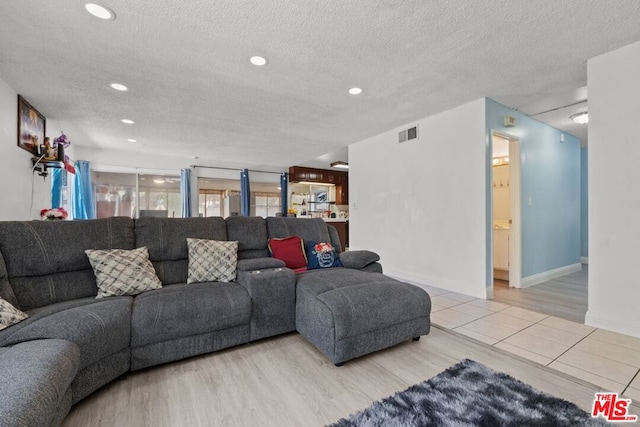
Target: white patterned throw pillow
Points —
{"points": [[9, 315], [212, 260], [123, 272]]}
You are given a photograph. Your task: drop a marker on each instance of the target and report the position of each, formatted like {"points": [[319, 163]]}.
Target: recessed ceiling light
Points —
{"points": [[118, 86], [159, 181], [582, 118], [355, 91], [132, 140], [100, 11], [127, 121], [258, 60]]}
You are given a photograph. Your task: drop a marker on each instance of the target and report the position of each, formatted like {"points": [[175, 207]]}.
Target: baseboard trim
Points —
{"points": [[622, 326], [538, 278], [422, 281], [584, 260], [501, 274]]}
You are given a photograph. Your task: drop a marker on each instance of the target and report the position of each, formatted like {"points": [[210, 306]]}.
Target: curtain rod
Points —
{"points": [[234, 169]]}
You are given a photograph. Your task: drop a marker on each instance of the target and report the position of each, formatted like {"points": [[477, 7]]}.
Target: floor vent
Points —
{"points": [[408, 134]]}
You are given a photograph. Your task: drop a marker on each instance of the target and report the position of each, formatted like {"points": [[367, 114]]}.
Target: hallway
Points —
{"points": [[564, 297]]}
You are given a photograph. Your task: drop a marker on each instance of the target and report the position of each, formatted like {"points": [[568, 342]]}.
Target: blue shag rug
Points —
{"points": [[470, 394]]}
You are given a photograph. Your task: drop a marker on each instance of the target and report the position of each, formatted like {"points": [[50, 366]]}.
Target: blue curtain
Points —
{"points": [[245, 193], [284, 179], [83, 206], [58, 176], [185, 192]]}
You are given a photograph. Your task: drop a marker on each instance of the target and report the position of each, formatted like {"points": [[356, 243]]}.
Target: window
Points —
{"points": [[123, 194], [218, 197], [265, 204], [114, 194], [210, 203]]}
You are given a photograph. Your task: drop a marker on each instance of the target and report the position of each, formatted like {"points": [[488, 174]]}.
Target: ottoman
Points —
{"points": [[348, 313]]}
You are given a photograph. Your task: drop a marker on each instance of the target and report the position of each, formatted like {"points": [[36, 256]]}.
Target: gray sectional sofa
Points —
{"points": [[72, 343]]}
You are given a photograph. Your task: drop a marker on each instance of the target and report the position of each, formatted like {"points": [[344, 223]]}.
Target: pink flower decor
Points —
{"points": [[323, 247], [53, 214]]}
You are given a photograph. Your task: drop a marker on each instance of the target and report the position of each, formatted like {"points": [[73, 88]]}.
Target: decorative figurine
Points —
{"points": [[48, 151]]}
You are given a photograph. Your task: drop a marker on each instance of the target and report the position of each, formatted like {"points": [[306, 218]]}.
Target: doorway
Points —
{"points": [[505, 196]]}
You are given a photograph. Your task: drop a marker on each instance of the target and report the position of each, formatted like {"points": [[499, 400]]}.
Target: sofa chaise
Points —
{"points": [[73, 343]]}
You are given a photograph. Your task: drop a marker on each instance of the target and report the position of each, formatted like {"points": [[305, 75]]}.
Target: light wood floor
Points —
{"points": [[284, 381], [564, 297]]}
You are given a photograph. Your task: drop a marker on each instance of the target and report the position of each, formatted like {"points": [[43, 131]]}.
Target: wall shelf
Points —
{"points": [[41, 166]]}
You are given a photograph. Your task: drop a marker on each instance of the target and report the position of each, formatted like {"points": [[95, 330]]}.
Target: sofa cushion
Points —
{"points": [[123, 272], [251, 234], [309, 229], [212, 260], [290, 250], [362, 302], [183, 310], [322, 255], [45, 260], [166, 239], [9, 315], [259, 264], [36, 378], [99, 327]]}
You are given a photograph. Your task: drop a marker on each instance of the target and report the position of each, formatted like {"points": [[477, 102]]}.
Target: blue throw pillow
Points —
{"points": [[322, 255]]}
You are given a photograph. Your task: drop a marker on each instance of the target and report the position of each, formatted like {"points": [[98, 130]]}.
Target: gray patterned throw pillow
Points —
{"points": [[123, 272], [9, 315], [212, 260]]}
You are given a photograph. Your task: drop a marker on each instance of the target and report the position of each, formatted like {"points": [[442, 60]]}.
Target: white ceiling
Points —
{"points": [[193, 91]]}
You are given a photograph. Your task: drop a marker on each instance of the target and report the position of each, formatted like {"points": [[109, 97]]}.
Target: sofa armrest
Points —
{"points": [[358, 259], [259, 264], [273, 298]]}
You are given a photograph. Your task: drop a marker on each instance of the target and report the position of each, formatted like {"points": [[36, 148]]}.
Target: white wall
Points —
{"points": [[421, 204], [614, 197], [16, 179]]}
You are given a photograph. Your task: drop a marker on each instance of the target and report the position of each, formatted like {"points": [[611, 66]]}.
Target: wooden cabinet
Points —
{"points": [[342, 227], [301, 173], [297, 174], [501, 249], [338, 178], [342, 193]]}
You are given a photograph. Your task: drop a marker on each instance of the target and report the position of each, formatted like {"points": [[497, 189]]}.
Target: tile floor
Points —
{"points": [[606, 359]]}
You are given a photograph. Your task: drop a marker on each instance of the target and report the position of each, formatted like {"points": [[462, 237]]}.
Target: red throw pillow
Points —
{"points": [[291, 251]]}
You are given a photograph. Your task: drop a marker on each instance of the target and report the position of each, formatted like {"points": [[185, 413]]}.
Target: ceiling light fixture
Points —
{"points": [[355, 91], [340, 165], [118, 86], [132, 140], [159, 181], [100, 11], [582, 118], [127, 121], [258, 61]]}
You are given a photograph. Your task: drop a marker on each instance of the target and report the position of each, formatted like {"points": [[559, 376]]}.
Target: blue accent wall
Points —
{"points": [[550, 177], [584, 202]]}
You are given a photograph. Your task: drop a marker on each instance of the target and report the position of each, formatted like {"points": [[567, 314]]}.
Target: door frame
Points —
{"points": [[515, 208]]}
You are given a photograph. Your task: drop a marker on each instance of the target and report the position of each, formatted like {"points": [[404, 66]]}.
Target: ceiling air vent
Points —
{"points": [[408, 134]]}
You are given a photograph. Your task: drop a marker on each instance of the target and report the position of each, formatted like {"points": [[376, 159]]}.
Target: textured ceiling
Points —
{"points": [[194, 93]]}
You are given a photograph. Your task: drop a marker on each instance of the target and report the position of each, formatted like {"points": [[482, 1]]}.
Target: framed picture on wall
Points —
{"points": [[31, 127]]}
